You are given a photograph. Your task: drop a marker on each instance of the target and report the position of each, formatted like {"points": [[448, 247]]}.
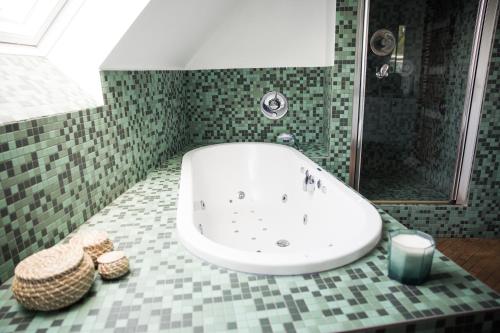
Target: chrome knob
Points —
{"points": [[383, 71], [274, 105]]}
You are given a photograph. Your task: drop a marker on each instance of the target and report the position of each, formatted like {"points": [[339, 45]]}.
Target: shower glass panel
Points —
{"points": [[416, 77]]}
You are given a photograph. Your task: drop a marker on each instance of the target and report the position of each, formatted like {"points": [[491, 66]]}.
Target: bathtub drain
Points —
{"points": [[282, 243], [241, 195]]}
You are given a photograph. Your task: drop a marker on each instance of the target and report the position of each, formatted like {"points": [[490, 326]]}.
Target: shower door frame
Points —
{"points": [[484, 35]]}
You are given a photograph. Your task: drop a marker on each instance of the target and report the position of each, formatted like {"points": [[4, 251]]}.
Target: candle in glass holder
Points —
{"points": [[410, 256]]}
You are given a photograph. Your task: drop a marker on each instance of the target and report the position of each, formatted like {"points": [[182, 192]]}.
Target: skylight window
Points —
{"points": [[26, 21]]}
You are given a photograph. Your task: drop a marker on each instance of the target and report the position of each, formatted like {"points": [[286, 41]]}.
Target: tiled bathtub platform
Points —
{"points": [[169, 289]]}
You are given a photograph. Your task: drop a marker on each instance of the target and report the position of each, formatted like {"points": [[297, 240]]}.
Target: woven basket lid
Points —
{"points": [[89, 238], [110, 257], [48, 263]]}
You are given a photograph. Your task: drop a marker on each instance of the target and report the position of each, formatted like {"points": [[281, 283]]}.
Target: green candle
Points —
{"points": [[410, 256]]}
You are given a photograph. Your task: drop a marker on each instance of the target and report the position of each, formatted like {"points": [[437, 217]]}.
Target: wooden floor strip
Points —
{"points": [[480, 257]]}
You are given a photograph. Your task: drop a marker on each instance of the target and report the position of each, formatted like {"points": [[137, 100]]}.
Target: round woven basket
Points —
{"points": [[94, 243], [54, 278], [113, 265]]}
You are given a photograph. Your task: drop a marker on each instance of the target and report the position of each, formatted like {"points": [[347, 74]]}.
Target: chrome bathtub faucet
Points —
{"points": [[309, 183], [288, 139], [383, 71]]}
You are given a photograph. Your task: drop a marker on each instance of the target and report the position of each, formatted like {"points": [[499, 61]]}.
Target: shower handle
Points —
{"points": [[383, 71]]}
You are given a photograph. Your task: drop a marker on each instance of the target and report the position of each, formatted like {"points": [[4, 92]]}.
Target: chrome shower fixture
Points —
{"points": [[274, 105], [383, 71], [382, 42]]}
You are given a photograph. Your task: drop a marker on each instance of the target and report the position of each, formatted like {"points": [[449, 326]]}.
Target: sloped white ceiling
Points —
{"points": [[167, 33], [194, 34]]}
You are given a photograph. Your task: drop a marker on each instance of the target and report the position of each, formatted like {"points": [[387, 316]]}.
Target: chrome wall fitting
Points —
{"points": [[382, 42], [383, 71], [286, 138], [274, 105]]}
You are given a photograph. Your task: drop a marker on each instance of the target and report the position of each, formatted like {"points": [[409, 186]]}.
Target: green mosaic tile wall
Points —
{"points": [[342, 89], [445, 91], [58, 171], [224, 105], [482, 215]]}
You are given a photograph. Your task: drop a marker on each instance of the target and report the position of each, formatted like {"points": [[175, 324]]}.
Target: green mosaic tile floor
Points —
{"points": [[169, 289]]}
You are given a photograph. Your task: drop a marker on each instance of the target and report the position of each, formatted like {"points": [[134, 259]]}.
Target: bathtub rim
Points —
{"points": [[253, 262]]}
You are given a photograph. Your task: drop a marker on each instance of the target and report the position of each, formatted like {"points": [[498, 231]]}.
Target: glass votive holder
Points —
{"points": [[410, 256]]}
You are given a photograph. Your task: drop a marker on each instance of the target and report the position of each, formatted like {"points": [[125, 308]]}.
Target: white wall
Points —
{"points": [[90, 37], [32, 87], [194, 34], [271, 33]]}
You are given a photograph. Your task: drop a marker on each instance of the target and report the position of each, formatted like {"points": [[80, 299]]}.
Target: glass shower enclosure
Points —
{"points": [[417, 69]]}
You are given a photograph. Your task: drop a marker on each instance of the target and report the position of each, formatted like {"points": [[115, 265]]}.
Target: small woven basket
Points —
{"points": [[94, 243], [113, 265], [54, 278]]}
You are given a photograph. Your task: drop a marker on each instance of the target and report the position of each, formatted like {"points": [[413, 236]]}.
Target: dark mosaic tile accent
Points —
{"points": [[169, 289], [224, 105], [480, 217], [58, 171]]}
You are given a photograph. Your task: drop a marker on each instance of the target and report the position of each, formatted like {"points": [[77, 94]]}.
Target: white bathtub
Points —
{"points": [[243, 206]]}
